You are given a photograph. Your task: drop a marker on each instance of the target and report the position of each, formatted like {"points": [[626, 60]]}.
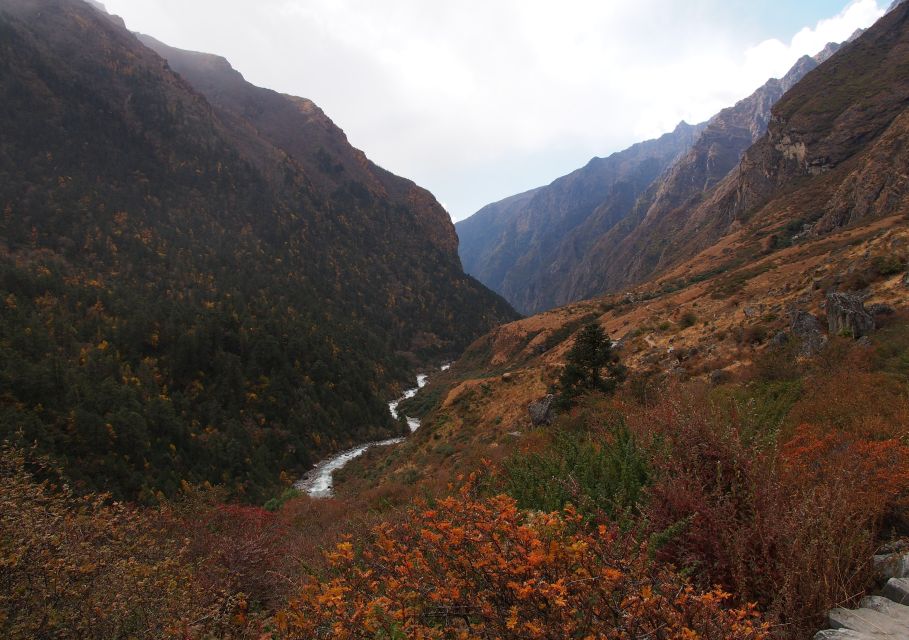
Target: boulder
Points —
{"points": [[541, 411], [808, 331], [846, 315]]}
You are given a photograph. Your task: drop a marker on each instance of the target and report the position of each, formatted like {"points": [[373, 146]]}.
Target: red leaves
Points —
{"points": [[792, 527], [473, 568]]}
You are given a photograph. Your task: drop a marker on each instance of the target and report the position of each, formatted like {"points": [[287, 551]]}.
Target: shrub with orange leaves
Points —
{"points": [[74, 567], [481, 568], [791, 527]]}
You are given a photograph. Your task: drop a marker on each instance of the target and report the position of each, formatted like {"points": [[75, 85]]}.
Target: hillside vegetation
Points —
{"points": [[183, 298]]}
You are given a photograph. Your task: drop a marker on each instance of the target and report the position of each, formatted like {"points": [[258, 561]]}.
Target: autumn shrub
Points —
{"points": [[688, 319], [754, 334], [776, 363], [481, 568], [760, 408], [791, 527], [856, 390], [886, 265], [891, 346], [74, 567], [240, 549], [596, 472]]}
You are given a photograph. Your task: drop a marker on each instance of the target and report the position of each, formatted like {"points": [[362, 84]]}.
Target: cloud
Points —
{"points": [[775, 57], [479, 99]]}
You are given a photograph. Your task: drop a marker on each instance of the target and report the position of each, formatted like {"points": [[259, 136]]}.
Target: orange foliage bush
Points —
{"points": [[82, 568], [480, 568], [790, 527]]}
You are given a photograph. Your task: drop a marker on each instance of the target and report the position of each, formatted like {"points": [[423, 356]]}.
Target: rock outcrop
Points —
{"points": [[808, 331], [846, 315], [884, 616], [541, 411]]}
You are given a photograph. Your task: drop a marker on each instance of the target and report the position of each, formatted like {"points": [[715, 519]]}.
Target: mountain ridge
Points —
{"points": [[584, 265], [555, 211]]}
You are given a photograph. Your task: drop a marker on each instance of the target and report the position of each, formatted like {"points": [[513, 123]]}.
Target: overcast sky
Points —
{"points": [[477, 100]]}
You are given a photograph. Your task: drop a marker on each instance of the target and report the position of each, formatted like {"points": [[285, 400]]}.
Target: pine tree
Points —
{"points": [[593, 366]]}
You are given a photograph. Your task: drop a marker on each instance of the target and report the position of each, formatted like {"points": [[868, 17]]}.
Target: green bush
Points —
{"points": [[594, 474], [689, 319]]}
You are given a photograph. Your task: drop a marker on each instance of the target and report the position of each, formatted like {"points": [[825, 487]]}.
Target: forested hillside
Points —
{"points": [[184, 299]]}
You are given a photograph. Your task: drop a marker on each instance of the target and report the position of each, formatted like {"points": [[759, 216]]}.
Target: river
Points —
{"points": [[319, 483]]}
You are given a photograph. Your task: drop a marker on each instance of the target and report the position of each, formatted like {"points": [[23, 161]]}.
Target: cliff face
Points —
{"points": [[250, 284], [524, 246], [515, 248], [831, 157]]}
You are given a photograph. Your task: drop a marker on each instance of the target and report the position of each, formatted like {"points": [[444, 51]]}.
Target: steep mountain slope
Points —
{"points": [[512, 245], [833, 156], [191, 293], [581, 262], [302, 130]]}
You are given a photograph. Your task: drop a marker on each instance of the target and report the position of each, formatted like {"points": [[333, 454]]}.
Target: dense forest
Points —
{"points": [[181, 300]]}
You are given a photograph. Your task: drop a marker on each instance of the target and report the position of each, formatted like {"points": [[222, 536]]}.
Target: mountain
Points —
{"points": [[624, 255], [806, 233], [832, 157], [579, 261], [302, 130], [514, 246], [202, 280]]}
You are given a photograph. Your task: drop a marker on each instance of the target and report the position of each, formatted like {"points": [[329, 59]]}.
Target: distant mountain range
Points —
{"points": [[607, 225], [203, 280]]}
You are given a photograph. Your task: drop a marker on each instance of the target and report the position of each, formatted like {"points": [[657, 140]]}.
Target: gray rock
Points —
{"points": [[879, 603], [843, 634], [541, 411], [881, 309], [897, 589], [868, 621], [781, 339], [893, 565], [846, 315], [507, 377], [808, 331]]}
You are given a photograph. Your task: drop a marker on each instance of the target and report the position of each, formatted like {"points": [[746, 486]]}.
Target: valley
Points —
{"points": [[318, 482], [675, 398]]}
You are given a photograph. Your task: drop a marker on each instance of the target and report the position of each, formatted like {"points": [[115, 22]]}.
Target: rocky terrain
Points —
{"points": [[522, 246], [615, 232]]}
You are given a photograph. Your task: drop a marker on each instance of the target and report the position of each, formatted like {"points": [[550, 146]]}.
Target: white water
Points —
{"points": [[318, 483]]}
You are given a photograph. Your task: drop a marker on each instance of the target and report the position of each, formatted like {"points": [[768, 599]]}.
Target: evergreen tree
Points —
{"points": [[593, 366]]}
